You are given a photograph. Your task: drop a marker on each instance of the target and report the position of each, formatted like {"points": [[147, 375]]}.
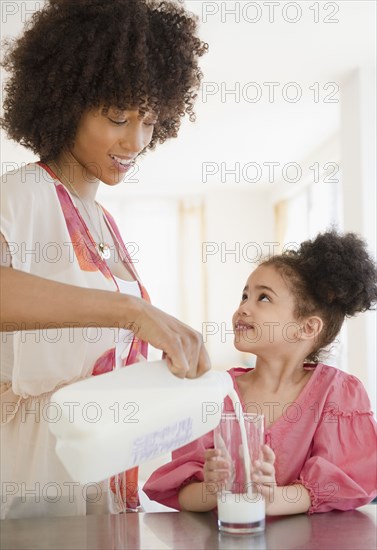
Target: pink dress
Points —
{"points": [[325, 440]]}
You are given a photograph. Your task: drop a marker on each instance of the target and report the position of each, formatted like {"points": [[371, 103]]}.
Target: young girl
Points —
{"points": [[320, 434]]}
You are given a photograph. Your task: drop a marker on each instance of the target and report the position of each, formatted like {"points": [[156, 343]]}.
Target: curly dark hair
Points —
{"points": [[80, 54], [332, 276]]}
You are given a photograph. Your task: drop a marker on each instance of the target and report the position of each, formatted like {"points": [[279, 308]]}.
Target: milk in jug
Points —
{"points": [[115, 421]]}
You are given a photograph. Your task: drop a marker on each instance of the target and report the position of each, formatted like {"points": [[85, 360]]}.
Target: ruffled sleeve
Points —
{"points": [[340, 473], [185, 467]]}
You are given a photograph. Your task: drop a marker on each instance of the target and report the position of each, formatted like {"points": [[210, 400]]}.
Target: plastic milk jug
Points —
{"points": [[115, 421]]}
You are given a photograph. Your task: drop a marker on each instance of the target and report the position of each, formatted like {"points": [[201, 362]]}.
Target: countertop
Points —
{"points": [[186, 530]]}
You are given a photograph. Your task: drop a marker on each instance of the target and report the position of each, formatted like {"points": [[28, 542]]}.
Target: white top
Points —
{"points": [[124, 339], [36, 362]]}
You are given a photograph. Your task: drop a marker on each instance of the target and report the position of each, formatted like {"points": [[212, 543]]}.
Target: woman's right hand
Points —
{"points": [[34, 303], [182, 346]]}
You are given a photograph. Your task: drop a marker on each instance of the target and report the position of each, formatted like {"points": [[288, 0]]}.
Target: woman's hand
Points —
{"points": [[36, 303], [182, 346]]}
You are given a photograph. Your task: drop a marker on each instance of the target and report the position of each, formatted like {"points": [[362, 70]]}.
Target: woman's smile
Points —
{"points": [[122, 164]]}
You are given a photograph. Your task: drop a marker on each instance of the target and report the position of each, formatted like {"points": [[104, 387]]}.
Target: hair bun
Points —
{"points": [[340, 271]]}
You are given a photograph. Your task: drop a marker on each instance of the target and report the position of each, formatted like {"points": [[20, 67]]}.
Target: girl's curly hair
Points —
{"points": [[332, 276], [80, 54]]}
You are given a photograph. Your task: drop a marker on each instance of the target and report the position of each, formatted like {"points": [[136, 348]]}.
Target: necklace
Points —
{"points": [[103, 248]]}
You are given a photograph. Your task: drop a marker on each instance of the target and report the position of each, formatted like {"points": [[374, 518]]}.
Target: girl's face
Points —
{"points": [[106, 145], [264, 321]]}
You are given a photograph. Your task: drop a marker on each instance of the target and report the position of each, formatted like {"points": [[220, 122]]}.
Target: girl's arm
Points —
{"points": [[201, 497], [287, 500], [198, 497], [186, 467], [280, 501]]}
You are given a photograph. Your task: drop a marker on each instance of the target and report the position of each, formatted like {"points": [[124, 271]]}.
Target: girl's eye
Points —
{"points": [[244, 297], [263, 298], [153, 123]]}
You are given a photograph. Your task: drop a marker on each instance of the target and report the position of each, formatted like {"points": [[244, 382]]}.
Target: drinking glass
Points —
{"points": [[240, 504]]}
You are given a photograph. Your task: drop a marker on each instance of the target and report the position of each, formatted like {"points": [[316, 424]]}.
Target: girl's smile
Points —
{"points": [[241, 325]]}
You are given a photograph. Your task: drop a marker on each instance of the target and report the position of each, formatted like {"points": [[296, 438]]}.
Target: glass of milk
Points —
{"points": [[240, 506]]}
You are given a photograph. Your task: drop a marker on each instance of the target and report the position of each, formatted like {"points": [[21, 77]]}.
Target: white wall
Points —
{"points": [[194, 255], [237, 226], [358, 139]]}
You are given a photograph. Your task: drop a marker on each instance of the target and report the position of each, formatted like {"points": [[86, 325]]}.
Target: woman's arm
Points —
{"points": [[29, 302]]}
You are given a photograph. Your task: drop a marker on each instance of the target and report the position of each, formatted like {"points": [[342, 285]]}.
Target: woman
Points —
{"points": [[92, 86]]}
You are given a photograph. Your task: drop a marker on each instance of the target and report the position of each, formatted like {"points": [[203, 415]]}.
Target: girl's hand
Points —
{"points": [[264, 474], [216, 468], [276, 502]]}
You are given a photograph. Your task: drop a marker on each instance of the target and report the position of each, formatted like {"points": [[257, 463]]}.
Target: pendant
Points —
{"points": [[104, 251]]}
